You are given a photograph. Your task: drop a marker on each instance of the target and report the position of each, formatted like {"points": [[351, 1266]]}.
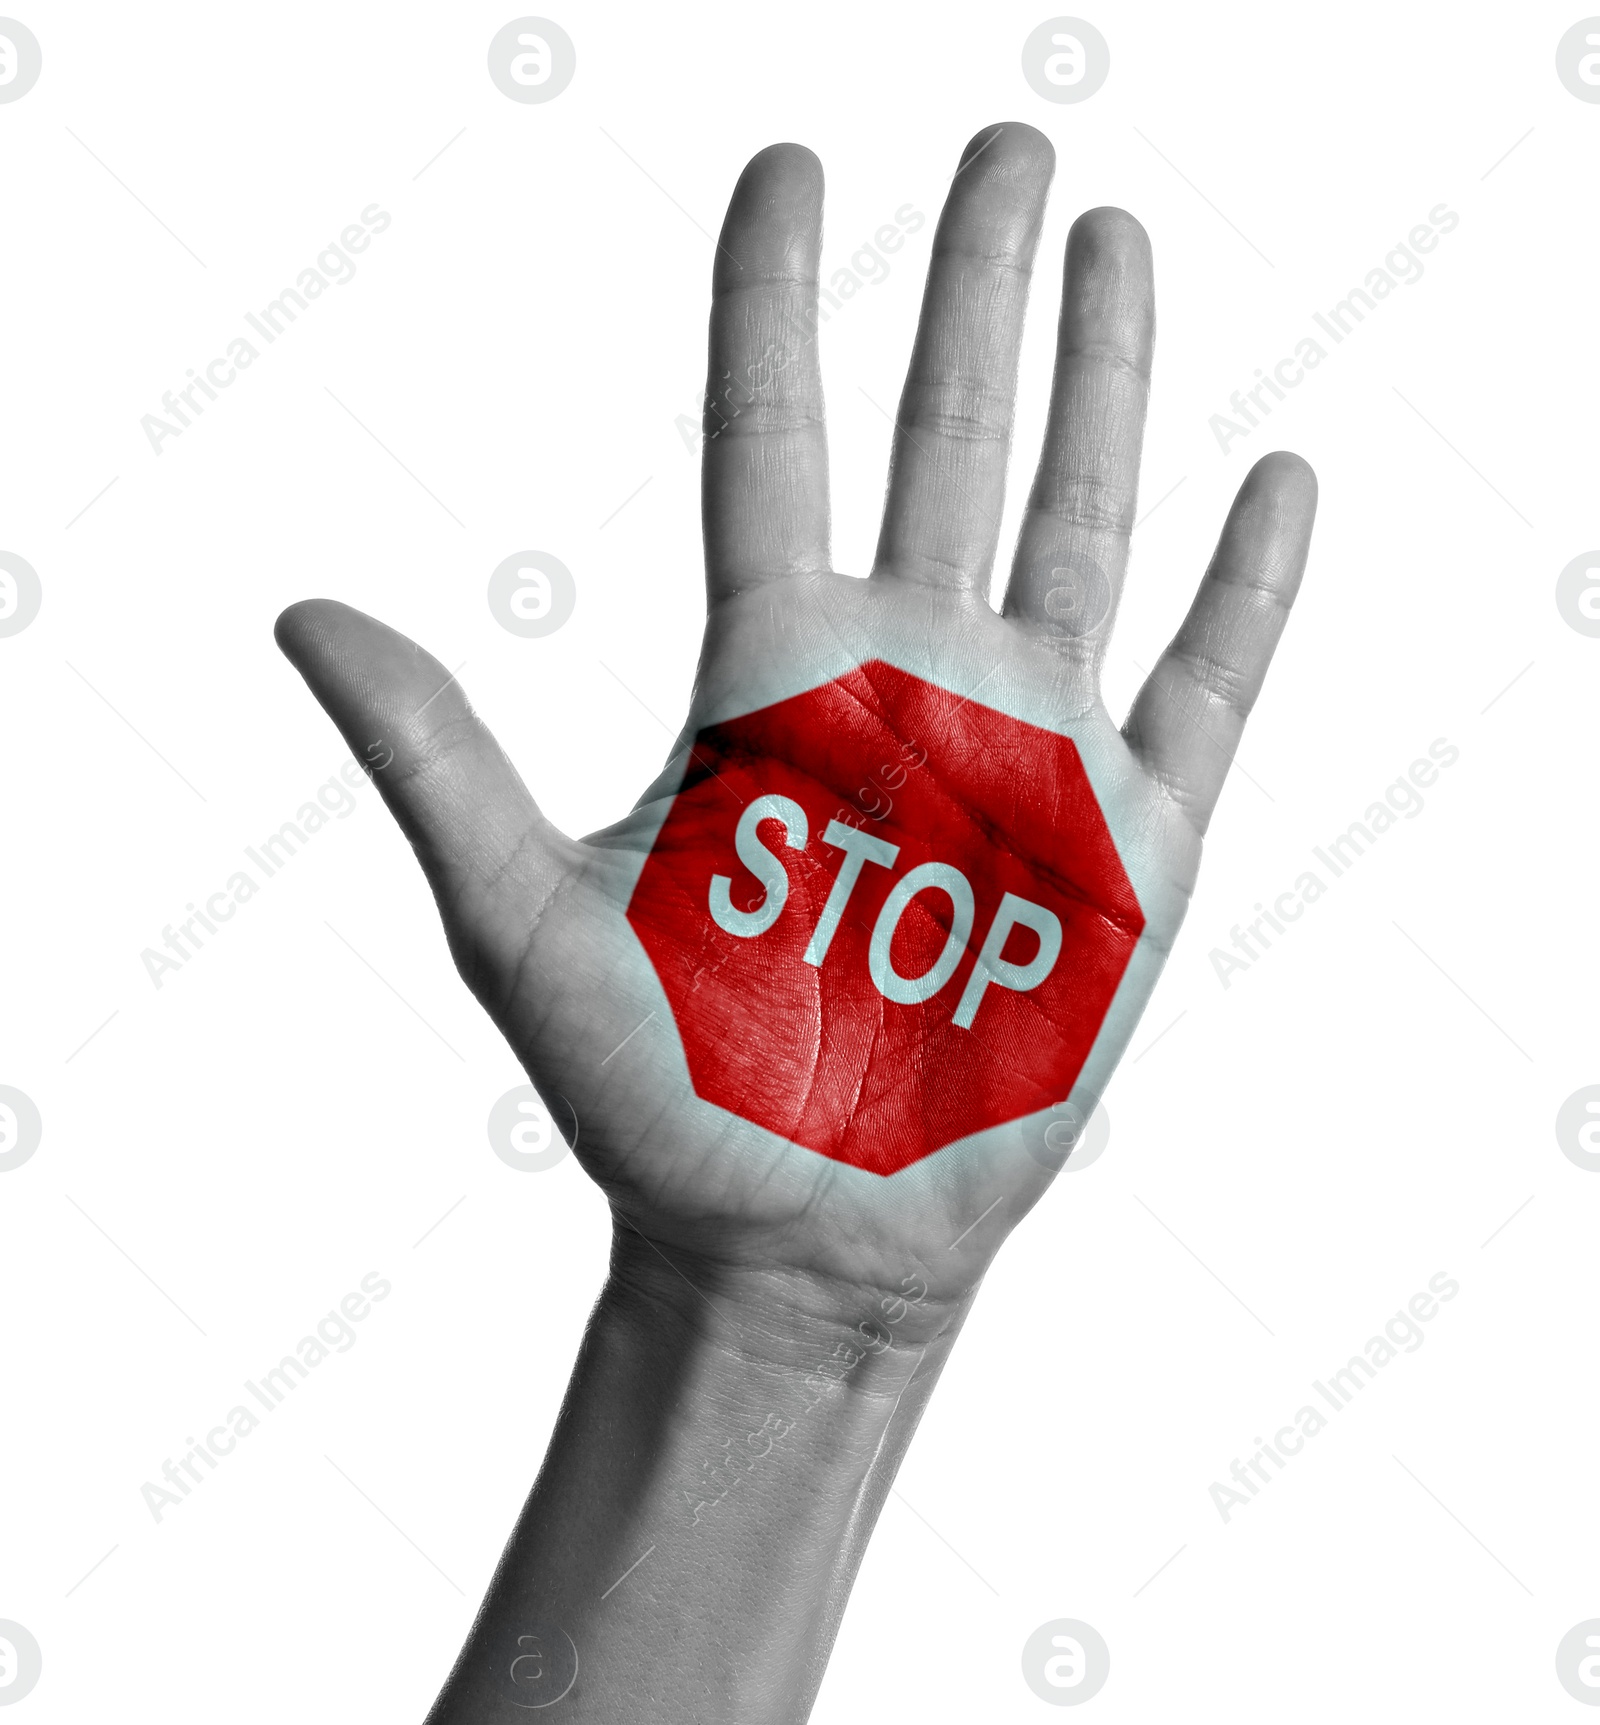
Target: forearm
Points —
{"points": [[726, 1444], [873, 1494]]}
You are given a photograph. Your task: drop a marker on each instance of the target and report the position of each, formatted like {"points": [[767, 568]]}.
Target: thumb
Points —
{"points": [[494, 862]]}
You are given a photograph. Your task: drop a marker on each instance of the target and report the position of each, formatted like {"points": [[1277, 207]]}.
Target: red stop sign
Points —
{"points": [[885, 917]]}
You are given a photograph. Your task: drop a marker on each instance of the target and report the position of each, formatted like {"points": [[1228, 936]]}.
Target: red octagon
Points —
{"points": [[854, 906]]}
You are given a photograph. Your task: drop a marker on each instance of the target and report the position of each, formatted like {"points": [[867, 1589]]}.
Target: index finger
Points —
{"points": [[764, 479]]}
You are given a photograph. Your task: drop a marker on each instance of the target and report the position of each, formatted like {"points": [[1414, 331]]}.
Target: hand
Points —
{"points": [[537, 920]]}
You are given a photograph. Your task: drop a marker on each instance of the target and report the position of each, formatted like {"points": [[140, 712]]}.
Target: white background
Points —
{"points": [[1356, 1112]]}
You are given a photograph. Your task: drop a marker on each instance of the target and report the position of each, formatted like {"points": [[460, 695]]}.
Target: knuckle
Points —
{"points": [[1091, 501], [1219, 679], [966, 409]]}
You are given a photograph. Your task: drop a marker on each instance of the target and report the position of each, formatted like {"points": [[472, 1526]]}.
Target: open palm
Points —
{"points": [[538, 922]]}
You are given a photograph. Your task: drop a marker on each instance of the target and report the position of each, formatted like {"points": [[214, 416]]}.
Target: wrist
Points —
{"points": [[795, 1333], [725, 1427]]}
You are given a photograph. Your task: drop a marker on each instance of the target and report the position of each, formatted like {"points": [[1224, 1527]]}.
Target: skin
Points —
{"points": [[766, 1303]]}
